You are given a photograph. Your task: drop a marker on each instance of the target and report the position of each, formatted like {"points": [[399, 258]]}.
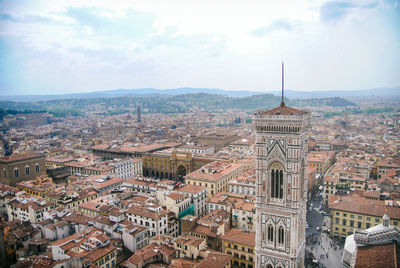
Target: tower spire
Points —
{"points": [[283, 84]]}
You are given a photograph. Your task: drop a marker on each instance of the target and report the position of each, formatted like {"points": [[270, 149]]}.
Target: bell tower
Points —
{"points": [[281, 185]]}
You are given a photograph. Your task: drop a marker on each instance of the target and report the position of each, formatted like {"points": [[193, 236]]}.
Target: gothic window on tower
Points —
{"points": [[269, 266], [277, 181], [270, 233], [281, 235]]}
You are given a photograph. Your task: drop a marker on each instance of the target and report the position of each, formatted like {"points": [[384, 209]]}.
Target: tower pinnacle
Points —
{"points": [[283, 81]]}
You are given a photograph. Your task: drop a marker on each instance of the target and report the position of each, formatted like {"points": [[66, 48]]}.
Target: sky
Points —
{"points": [[66, 46]]}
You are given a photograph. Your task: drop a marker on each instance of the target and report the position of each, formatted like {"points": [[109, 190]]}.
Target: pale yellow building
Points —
{"points": [[215, 176]]}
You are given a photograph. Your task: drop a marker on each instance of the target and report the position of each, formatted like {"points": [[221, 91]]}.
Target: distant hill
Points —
{"points": [[291, 94], [168, 104]]}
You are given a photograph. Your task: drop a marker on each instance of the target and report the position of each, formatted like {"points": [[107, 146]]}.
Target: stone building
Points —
{"points": [[218, 140], [21, 167], [281, 186], [172, 163]]}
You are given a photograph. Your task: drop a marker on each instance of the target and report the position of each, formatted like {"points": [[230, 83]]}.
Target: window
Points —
{"points": [[37, 168], [4, 172], [344, 222], [352, 223], [376, 220], [281, 235], [277, 181], [368, 218], [351, 216], [235, 246], [269, 266], [344, 215], [27, 170], [16, 172], [270, 233], [337, 213], [359, 224], [337, 221], [360, 217]]}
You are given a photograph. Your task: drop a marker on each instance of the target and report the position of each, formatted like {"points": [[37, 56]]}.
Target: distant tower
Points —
{"points": [[139, 118], [281, 191]]}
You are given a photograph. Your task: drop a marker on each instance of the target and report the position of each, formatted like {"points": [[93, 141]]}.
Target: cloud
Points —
{"points": [[25, 19], [132, 24], [276, 25], [337, 10]]}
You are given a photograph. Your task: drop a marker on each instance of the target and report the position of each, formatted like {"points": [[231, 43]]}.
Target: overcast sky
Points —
{"points": [[52, 47]]}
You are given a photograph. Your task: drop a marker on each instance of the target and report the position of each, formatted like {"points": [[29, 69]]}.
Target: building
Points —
{"points": [[321, 160], [377, 246], [356, 212], [174, 202], [172, 163], [151, 216], [218, 140], [241, 208], [128, 149], [198, 196], [215, 259], [85, 248], [330, 187], [21, 167], [21, 120], [212, 227], [188, 246], [241, 246], [138, 115], [243, 145], [215, 176], [126, 168], [281, 191], [244, 184], [28, 208], [197, 149], [153, 252]]}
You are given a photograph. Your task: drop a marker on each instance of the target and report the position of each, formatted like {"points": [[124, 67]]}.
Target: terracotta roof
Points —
{"points": [[238, 236], [98, 253], [357, 204], [182, 263], [175, 196], [200, 229], [190, 188], [283, 110], [144, 212], [16, 157], [215, 259], [189, 240], [378, 256]]}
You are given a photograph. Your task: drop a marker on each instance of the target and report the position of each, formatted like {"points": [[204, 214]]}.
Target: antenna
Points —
{"points": [[283, 82]]}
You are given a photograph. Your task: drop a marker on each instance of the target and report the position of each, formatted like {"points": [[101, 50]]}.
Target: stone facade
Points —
{"points": [[281, 186], [21, 167], [172, 164]]}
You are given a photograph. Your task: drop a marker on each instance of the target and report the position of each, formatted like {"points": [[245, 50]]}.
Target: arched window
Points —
{"points": [[4, 172], [16, 172], [27, 170], [270, 233], [37, 168], [277, 181], [269, 266], [281, 235]]}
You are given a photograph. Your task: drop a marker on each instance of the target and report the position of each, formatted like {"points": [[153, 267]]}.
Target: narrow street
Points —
{"points": [[319, 246]]}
